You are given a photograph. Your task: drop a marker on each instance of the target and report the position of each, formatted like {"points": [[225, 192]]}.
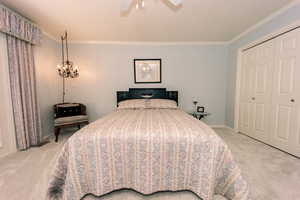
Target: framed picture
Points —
{"points": [[200, 109], [147, 70]]}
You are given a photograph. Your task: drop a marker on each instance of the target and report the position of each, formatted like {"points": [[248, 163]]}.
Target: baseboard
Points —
{"points": [[48, 137], [217, 126], [222, 126]]}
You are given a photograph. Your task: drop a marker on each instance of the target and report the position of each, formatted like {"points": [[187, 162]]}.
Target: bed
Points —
{"points": [[146, 149]]}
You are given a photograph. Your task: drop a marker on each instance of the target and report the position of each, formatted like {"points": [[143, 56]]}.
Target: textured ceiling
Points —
{"points": [[102, 20]]}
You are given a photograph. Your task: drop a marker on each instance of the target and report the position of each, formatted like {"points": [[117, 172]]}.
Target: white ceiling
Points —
{"points": [[102, 20]]}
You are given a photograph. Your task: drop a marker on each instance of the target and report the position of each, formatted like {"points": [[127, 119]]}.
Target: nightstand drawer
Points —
{"points": [[66, 110]]}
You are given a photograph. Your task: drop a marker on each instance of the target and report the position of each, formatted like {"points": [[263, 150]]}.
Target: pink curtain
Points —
{"points": [[24, 95]]}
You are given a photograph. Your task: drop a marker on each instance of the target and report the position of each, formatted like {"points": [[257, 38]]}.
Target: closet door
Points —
{"points": [[285, 119], [262, 91], [246, 93]]}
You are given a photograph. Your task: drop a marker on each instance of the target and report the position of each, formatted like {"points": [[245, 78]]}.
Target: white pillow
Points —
{"points": [[161, 103], [132, 104]]}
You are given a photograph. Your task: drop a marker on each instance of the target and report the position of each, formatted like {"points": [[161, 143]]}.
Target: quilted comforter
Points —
{"points": [[147, 150]]}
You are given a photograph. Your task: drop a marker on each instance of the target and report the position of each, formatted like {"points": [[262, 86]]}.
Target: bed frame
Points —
{"points": [[147, 93]]}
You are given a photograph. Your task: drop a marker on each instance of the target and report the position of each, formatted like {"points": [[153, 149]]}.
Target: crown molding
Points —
{"points": [[49, 35], [135, 42], [150, 43], [265, 20]]}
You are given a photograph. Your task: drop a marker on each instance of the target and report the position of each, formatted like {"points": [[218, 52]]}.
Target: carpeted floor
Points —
{"points": [[272, 174]]}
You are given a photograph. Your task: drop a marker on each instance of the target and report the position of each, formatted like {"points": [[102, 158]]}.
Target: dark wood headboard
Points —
{"points": [[147, 93]]}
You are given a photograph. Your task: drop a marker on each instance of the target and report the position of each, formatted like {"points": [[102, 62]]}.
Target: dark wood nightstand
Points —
{"points": [[67, 115]]}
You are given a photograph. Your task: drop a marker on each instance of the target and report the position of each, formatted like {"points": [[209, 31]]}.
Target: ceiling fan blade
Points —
{"points": [[176, 2], [125, 5]]}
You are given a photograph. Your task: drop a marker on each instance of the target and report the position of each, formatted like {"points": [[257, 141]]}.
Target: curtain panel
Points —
{"points": [[21, 35], [23, 91], [15, 25]]}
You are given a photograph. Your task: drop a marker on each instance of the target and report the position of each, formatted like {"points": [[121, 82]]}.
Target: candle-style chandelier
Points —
{"points": [[66, 69]]}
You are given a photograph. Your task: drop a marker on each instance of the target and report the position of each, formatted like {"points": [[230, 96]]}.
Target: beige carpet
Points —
{"points": [[272, 174]]}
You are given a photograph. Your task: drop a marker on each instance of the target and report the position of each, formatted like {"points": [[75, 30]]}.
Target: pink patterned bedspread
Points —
{"points": [[147, 150]]}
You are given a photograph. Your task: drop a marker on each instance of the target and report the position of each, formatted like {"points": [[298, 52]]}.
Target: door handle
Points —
{"points": [[292, 100]]}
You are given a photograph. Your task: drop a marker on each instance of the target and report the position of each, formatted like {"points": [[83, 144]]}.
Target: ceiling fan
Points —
{"points": [[126, 4]]}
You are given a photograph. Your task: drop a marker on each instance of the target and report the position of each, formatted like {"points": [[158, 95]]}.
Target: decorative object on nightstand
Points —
{"points": [[195, 102], [68, 115], [66, 69], [199, 111], [200, 115]]}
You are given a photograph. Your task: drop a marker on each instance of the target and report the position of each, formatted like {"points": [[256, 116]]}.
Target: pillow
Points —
{"points": [[132, 104], [161, 103]]}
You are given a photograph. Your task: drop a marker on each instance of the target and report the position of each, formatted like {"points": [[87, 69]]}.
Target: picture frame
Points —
{"points": [[147, 71], [200, 109]]}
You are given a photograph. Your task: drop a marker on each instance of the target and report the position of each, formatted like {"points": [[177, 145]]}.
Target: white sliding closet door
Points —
{"points": [[246, 102], [255, 92], [263, 74], [285, 121]]}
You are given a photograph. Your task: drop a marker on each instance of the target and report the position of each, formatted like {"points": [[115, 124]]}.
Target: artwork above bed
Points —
{"points": [[147, 93], [147, 71]]}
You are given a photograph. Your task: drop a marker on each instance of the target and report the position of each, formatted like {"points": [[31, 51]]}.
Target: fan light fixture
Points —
{"points": [[126, 4], [140, 4]]}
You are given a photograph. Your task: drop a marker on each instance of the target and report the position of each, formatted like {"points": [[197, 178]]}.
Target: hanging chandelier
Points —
{"points": [[66, 69]]}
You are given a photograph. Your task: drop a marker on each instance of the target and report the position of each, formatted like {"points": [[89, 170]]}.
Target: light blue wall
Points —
{"points": [[284, 19], [207, 72], [194, 70], [47, 56]]}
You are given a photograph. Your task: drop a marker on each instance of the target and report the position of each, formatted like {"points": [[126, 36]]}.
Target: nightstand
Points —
{"points": [[199, 115], [69, 114]]}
